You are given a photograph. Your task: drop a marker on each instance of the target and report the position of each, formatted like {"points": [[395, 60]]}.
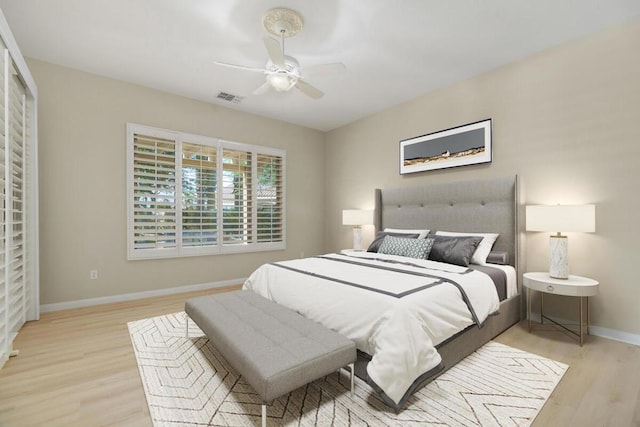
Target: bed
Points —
{"points": [[411, 319]]}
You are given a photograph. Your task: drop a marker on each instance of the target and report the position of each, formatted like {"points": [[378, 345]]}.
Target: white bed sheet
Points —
{"points": [[396, 318]]}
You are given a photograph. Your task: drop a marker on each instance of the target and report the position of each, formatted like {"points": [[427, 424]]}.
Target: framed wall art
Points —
{"points": [[459, 146]]}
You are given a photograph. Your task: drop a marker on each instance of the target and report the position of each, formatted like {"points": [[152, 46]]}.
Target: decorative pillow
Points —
{"points": [[498, 257], [413, 248], [454, 250], [481, 253], [421, 233], [375, 245]]}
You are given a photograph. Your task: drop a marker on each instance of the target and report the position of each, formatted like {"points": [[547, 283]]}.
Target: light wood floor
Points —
{"points": [[77, 368]]}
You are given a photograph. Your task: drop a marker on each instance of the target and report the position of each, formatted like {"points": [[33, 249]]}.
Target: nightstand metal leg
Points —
{"points": [[541, 306], [581, 320], [529, 307], [588, 317]]}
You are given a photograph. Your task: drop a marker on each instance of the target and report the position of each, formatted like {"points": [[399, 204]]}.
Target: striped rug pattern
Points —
{"points": [[188, 383]]}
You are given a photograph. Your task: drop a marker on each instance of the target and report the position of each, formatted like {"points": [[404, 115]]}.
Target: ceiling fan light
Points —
{"points": [[280, 82]]}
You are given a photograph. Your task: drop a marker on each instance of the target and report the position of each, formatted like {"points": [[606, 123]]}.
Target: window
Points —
{"points": [[193, 195]]}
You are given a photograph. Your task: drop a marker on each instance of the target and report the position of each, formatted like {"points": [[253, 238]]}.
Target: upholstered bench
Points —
{"points": [[274, 348]]}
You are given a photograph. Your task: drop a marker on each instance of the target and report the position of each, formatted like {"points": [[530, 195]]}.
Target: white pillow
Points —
{"points": [[483, 249], [421, 233]]}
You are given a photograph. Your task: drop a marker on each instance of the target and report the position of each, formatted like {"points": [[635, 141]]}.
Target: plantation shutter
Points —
{"points": [[237, 217], [269, 198], [199, 195], [15, 220], [154, 193], [192, 195]]}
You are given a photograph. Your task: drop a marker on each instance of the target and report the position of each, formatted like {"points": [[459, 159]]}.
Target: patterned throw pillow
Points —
{"points": [[375, 245], [413, 248]]}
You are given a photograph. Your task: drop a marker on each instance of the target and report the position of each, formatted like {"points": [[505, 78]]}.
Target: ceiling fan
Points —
{"points": [[283, 72]]}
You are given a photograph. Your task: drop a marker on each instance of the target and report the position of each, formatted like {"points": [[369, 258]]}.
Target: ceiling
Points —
{"points": [[393, 51]]}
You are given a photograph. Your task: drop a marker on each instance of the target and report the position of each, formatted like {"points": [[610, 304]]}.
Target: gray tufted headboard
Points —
{"points": [[469, 206]]}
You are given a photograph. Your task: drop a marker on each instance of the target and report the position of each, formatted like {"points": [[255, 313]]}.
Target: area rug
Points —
{"points": [[188, 383]]}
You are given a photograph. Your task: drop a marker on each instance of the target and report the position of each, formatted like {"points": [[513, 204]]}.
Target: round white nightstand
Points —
{"points": [[574, 286]]}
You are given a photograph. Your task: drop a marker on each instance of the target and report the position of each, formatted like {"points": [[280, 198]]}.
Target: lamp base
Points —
{"points": [[357, 238], [559, 257]]}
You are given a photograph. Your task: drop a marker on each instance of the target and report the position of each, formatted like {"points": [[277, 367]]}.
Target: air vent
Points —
{"points": [[229, 97]]}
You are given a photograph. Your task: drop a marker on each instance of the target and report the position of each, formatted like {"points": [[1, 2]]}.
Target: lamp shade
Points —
{"points": [[561, 218], [357, 217]]}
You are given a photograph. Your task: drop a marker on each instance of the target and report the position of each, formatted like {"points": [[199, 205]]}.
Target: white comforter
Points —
{"points": [[395, 317]]}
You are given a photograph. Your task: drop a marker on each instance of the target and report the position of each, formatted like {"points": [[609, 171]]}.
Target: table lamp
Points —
{"points": [[560, 218], [357, 218]]}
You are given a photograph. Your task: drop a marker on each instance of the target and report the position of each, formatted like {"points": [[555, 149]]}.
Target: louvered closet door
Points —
{"points": [[28, 223], [19, 275], [4, 330], [15, 220]]}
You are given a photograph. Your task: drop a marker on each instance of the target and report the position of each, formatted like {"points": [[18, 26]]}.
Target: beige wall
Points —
{"points": [[82, 119], [565, 120]]}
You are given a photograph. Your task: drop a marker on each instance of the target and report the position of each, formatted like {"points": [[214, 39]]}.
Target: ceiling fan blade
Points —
{"points": [[266, 86], [275, 52], [240, 67], [309, 90], [335, 68]]}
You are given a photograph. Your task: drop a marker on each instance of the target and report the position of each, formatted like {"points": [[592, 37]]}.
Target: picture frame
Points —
{"points": [[464, 145]]}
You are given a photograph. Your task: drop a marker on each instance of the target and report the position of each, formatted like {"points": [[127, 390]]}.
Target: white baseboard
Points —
{"points": [[44, 308], [614, 334], [598, 331]]}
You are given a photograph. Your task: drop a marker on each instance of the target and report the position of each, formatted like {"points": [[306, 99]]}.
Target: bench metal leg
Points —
{"points": [[186, 326], [352, 367], [264, 415]]}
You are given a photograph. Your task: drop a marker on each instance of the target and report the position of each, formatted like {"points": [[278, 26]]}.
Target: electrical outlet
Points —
{"points": [[93, 274]]}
